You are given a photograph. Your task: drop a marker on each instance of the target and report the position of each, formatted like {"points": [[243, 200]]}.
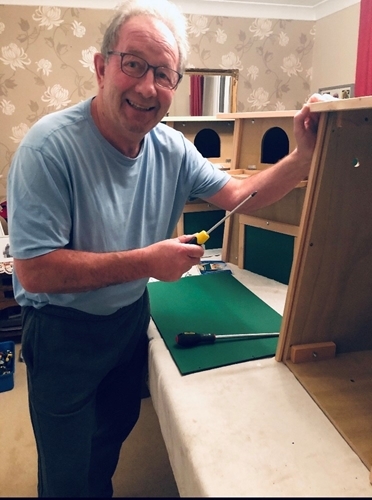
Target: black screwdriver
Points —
{"points": [[203, 236], [191, 339]]}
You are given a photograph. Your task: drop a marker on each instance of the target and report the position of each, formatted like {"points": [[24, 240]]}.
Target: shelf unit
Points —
{"points": [[191, 126], [250, 129], [251, 133]]}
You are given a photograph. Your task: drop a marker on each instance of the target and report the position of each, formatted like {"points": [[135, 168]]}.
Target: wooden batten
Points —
{"points": [[312, 352]]}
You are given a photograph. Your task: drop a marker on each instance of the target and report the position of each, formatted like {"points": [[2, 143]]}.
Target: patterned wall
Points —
{"points": [[274, 57], [46, 63]]}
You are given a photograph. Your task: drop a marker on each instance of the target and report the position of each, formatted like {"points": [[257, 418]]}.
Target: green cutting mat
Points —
{"points": [[212, 303]]}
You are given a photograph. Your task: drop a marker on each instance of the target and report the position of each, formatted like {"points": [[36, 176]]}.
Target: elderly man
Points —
{"points": [[80, 270]]}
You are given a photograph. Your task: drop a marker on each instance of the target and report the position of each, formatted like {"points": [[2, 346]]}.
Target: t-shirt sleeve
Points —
{"points": [[42, 222]]}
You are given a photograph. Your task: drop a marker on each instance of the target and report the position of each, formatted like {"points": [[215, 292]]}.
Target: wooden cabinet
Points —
{"points": [[212, 136], [329, 294], [260, 140]]}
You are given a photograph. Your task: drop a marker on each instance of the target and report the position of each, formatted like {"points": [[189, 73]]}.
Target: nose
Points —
{"points": [[146, 84]]}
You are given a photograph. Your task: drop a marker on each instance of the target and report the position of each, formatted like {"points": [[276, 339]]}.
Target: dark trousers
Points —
{"points": [[85, 375]]}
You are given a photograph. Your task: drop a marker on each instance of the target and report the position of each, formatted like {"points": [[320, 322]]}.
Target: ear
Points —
{"points": [[99, 65]]}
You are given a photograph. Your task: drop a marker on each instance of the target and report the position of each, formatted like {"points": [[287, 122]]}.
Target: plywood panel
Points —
{"points": [[249, 129], [332, 286], [342, 387], [224, 129], [329, 294], [287, 210]]}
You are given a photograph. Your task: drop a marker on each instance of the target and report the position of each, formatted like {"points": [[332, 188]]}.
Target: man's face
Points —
{"points": [[130, 107]]}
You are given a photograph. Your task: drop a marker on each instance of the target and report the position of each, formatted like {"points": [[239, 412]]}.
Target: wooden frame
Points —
{"points": [[329, 293], [339, 91]]}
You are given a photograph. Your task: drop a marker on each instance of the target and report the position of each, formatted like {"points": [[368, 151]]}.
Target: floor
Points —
{"points": [[143, 470]]}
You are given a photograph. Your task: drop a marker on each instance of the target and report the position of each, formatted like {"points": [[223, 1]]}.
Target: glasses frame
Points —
{"points": [[148, 66]]}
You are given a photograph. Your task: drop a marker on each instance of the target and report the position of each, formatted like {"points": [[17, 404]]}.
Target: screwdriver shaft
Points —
{"points": [[230, 213], [246, 335], [203, 236]]}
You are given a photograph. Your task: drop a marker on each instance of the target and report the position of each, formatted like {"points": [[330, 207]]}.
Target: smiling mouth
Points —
{"points": [[138, 107]]}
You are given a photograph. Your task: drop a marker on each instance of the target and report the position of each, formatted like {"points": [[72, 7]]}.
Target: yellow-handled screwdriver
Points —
{"points": [[203, 236]]}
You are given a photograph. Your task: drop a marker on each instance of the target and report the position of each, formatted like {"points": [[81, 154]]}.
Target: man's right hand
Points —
{"points": [[170, 259]]}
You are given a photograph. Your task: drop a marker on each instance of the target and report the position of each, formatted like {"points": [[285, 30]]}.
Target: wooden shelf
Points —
{"points": [[342, 387]]}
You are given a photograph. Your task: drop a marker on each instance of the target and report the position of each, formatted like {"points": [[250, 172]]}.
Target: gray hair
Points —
{"points": [[164, 10]]}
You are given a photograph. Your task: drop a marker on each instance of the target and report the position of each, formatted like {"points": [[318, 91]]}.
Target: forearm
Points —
{"points": [[271, 185], [71, 271], [275, 182]]}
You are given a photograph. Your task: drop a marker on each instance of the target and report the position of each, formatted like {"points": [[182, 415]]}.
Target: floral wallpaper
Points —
{"points": [[274, 57], [46, 63]]}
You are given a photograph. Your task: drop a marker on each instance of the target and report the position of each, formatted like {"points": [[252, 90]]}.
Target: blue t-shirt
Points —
{"points": [[70, 188]]}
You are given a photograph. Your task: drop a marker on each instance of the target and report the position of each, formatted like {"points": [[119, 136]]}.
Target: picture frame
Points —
{"points": [[340, 91]]}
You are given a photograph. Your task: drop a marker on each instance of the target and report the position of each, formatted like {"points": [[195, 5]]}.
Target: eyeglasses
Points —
{"points": [[137, 67]]}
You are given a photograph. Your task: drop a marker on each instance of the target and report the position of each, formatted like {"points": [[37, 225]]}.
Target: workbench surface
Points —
{"points": [[249, 429]]}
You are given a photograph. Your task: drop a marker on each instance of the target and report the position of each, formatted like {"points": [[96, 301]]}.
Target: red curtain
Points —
{"points": [[196, 95], [363, 76]]}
